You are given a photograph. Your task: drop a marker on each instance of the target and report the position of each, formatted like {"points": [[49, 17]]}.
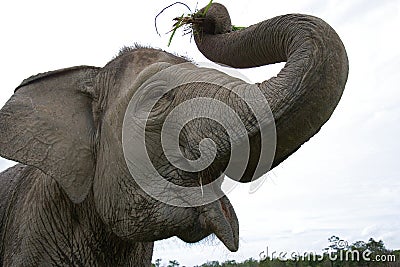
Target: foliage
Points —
{"points": [[173, 263], [188, 20]]}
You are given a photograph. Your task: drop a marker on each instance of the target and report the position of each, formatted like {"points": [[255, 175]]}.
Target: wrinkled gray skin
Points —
{"points": [[72, 201]]}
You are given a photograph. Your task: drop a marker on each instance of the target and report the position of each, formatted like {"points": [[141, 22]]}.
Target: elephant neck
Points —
{"points": [[61, 232]]}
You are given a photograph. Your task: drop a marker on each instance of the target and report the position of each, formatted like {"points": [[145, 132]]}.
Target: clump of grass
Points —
{"points": [[187, 21], [237, 28]]}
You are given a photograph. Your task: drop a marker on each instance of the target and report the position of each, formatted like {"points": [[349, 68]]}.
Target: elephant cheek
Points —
{"points": [[220, 218]]}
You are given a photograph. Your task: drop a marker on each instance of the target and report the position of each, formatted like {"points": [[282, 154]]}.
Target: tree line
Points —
{"points": [[338, 254]]}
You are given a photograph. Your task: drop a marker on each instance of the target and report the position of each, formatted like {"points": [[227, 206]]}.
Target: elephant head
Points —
{"points": [[101, 132]]}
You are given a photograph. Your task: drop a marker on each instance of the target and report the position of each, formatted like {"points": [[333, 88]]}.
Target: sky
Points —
{"points": [[345, 181]]}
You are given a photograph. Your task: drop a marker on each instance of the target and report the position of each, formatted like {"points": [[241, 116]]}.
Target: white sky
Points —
{"points": [[345, 181]]}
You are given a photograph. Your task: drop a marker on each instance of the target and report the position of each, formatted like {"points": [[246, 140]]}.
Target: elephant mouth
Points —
{"points": [[217, 218]]}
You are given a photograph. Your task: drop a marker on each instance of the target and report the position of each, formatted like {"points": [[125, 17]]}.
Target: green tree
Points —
{"points": [[249, 263], [173, 263], [376, 246], [211, 264], [396, 254], [334, 251], [265, 262], [157, 263], [230, 263]]}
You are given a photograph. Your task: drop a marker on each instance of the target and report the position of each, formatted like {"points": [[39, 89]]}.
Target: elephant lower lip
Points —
{"points": [[194, 233], [193, 239]]}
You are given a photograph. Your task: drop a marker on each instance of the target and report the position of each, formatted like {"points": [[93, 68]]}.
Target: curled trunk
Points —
{"points": [[304, 94]]}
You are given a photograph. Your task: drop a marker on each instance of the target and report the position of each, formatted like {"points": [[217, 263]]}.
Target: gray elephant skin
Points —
{"points": [[72, 201]]}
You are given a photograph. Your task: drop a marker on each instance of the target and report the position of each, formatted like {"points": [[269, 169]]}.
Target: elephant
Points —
{"points": [[74, 199]]}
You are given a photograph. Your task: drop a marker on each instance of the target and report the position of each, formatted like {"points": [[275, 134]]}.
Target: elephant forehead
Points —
{"points": [[180, 74]]}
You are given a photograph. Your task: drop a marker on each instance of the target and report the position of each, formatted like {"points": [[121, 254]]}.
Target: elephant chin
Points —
{"points": [[217, 218]]}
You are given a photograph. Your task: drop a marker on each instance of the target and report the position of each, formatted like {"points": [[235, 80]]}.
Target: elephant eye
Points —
{"points": [[153, 99], [163, 101]]}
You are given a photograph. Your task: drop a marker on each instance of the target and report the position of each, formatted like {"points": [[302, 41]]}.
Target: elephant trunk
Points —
{"points": [[304, 94]]}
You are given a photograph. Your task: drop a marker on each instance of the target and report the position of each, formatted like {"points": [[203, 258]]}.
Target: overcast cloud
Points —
{"points": [[345, 181]]}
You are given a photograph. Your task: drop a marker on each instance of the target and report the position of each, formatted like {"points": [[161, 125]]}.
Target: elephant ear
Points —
{"points": [[48, 124]]}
